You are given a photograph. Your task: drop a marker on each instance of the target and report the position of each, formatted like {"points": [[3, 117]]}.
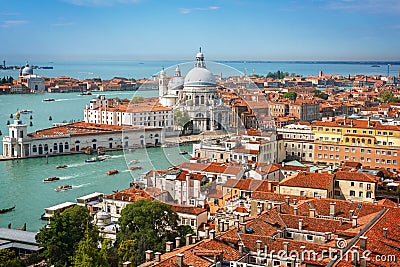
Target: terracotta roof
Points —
{"points": [[356, 176], [309, 180], [188, 209], [129, 195]]}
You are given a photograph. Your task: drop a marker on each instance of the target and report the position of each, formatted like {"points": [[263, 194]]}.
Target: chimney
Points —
{"points": [[354, 221], [259, 243], [278, 208], [194, 239], [226, 225], [295, 211], [237, 224], [212, 234], [328, 236], [179, 260], [363, 242], [221, 226], [157, 256], [243, 227], [177, 242], [269, 205], [240, 248], [351, 213], [126, 264], [287, 200], [369, 121], [207, 232], [259, 210], [300, 224], [294, 201], [332, 209], [188, 237], [312, 213], [340, 221], [285, 247], [241, 218], [169, 246], [385, 232], [149, 255]]}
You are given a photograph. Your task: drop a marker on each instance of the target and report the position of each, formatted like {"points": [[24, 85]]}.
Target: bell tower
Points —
{"points": [[162, 83]]}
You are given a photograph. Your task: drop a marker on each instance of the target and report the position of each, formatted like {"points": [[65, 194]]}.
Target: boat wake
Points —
{"points": [[117, 157], [126, 171], [81, 185], [68, 177], [76, 165], [66, 99]]}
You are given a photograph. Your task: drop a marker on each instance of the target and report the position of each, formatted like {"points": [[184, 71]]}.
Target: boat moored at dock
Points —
{"points": [[51, 211]]}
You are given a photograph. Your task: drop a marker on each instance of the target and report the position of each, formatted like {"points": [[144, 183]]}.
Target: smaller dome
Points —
{"points": [[175, 83], [27, 70]]}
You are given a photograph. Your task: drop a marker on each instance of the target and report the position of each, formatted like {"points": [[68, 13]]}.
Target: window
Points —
{"points": [[369, 151], [361, 185], [346, 157], [315, 194], [369, 132], [34, 149], [368, 159], [360, 194], [336, 183], [352, 184], [319, 147], [301, 193], [368, 186], [394, 162], [362, 150], [337, 193], [289, 235], [369, 194], [55, 146], [353, 150], [310, 238], [346, 149], [352, 193]]}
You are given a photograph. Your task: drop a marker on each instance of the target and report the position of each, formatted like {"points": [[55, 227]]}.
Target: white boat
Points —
{"points": [[134, 161], [25, 111], [51, 211]]}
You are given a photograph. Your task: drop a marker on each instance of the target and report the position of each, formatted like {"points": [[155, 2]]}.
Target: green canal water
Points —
{"points": [[21, 181]]}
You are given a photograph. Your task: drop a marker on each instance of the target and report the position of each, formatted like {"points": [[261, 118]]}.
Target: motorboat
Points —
{"points": [[63, 187], [25, 111], [48, 99], [183, 152], [112, 172], [51, 179], [134, 161], [95, 159], [61, 167], [135, 168]]}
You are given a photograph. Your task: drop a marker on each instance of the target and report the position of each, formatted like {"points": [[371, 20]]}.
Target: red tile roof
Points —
{"points": [[309, 180]]}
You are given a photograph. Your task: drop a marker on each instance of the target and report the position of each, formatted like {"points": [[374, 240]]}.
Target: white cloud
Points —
{"points": [[63, 24], [189, 10], [12, 23], [100, 2]]}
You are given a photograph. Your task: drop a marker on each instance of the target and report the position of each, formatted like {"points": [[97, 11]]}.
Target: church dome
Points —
{"points": [[27, 70], [200, 77]]}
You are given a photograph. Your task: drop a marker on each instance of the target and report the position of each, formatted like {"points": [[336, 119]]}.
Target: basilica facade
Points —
{"points": [[197, 96]]}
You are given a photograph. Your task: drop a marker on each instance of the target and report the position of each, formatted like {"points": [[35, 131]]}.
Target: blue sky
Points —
{"points": [[226, 29]]}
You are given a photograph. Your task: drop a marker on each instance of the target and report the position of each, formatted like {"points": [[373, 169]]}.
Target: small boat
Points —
{"points": [[7, 210], [95, 159], [63, 187], [375, 66], [183, 152], [25, 111], [48, 99], [85, 93], [61, 167], [135, 168], [112, 172], [51, 179], [134, 161]]}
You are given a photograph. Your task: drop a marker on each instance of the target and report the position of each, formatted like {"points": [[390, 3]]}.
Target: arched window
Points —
{"points": [[142, 136], [347, 140], [77, 142], [94, 140], [46, 147], [66, 145], [110, 139], [34, 149], [55, 147], [126, 137], [156, 135], [369, 141]]}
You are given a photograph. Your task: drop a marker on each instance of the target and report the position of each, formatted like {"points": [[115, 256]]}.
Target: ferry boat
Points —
{"points": [[25, 111], [51, 211], [51, 179], [63, 187], [183, 152], [112, 172], [48, 99]]}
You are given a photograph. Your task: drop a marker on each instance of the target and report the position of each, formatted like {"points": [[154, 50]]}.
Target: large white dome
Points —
{"points": [[27, 70], [200, 77]]}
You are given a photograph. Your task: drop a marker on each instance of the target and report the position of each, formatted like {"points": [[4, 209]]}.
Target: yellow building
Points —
{"points": [[369, 142]]}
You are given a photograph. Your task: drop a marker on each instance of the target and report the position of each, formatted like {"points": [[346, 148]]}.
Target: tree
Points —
{"points": [[9, 258], [61, 237], [388, 97], [137, 99], [321, 94], [290, 95], [88, 255], [181, 119], [126, 251], [149, 224]]}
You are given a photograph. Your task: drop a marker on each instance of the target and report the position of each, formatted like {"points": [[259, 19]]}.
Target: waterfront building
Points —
{"points": [[34, 82], [198, 98], [147, 112], [23, 243], [371, 143], [298, 141], [76, 138]]}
